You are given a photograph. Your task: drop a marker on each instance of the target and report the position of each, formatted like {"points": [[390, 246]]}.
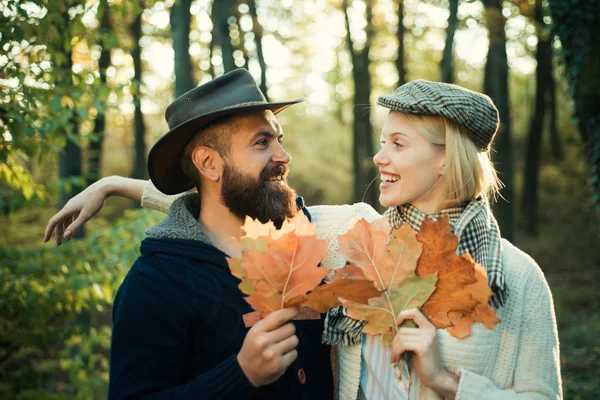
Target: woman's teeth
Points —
{"points": [[389, 178]]}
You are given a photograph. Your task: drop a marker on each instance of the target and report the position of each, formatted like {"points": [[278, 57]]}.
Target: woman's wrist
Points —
{"points": [[110, 186], [446, 385]]}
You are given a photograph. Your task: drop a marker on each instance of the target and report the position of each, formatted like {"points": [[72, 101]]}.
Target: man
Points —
{"points": [[177, 318]]}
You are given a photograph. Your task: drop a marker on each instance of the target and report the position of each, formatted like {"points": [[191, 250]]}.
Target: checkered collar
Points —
{"points": [[412, 215]]}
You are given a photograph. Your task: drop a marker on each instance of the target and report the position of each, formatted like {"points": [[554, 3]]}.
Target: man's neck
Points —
{"points": [[222, 227]]}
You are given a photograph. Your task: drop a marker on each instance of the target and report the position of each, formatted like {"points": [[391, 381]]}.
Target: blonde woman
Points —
{"points": [[434, 160]]}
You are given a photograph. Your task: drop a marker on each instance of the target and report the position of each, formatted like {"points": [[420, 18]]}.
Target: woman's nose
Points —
{"points": [[380, 158]]}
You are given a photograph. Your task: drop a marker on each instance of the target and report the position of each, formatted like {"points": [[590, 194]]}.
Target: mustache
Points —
{"points": [[277, 170]]}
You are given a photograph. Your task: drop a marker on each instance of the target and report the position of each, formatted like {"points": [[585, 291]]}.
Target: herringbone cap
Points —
{"points": [[475, 112]]}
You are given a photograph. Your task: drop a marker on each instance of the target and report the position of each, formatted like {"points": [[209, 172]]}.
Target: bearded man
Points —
{"points": [[178, 331]]}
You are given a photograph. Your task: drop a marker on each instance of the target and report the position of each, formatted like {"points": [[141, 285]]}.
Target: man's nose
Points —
{"points": [[281, 156]]}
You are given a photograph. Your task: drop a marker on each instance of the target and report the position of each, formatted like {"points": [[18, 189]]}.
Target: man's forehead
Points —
{"points": [[259, 120]]}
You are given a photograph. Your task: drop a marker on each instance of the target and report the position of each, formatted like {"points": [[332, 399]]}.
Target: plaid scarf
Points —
{"points": [[477, 232]]}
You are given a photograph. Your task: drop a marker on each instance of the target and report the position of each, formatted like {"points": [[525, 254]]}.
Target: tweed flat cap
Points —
{"points": [[475, 112]]}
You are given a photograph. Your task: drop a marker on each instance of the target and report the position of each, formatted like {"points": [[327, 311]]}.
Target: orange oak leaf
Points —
{"points": [[389, 259], [462, 292], [280, 268], [341, 285]]}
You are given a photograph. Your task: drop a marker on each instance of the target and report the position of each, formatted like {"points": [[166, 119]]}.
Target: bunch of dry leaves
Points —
{"points": [[387, 271]]}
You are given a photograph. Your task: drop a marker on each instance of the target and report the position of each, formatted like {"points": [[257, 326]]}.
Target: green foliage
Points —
{"points": [[567, 252], [49, 88], [55, 312]]}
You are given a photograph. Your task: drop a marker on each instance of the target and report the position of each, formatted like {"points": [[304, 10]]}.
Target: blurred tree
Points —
{"points": [[240, 44], [543, 75], [401, 57], [258, 35], [139, 165], [94, 156], [577, 24], [364, 172], [221, 11], [496, 86], [180, 33], [447, 64], [556, 146], [69, 160]]}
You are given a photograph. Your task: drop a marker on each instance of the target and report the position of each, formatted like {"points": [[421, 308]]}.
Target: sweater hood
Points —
{"points": [[181, 235]]}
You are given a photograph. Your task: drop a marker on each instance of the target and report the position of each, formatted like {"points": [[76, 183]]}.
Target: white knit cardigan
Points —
{"points": [[519, 359]]}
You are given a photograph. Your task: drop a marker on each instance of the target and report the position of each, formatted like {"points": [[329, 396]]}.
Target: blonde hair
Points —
{"points": [[469, 172]]}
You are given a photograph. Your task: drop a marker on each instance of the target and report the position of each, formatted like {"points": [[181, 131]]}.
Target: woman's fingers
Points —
{"points": [[57, 219], [403, 345], [58, 233], [74, 227], [415, 315]]}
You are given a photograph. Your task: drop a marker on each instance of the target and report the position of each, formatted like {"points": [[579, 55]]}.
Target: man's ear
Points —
{"points": [[208, 162]]}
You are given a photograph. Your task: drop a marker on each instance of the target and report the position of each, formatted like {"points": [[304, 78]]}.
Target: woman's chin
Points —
{"points": [[388, 201]]}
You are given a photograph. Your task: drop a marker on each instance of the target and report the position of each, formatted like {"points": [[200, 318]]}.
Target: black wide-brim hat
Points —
{"points": [[233, 92]]}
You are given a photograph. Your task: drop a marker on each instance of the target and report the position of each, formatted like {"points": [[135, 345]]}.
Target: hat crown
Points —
{"points": [[474, 111], [232, 89]]}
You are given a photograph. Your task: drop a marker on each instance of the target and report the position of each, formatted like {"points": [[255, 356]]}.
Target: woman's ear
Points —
{"points": [[442, 163], [208, 162]]}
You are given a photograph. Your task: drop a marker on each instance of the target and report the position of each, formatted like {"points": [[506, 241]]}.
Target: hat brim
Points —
{"points": [[164, 158]]}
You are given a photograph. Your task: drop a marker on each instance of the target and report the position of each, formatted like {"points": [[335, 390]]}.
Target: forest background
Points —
{"points": [[84, 85]]}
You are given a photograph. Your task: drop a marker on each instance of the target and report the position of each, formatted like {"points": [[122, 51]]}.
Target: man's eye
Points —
{"points": [[263, 142]]}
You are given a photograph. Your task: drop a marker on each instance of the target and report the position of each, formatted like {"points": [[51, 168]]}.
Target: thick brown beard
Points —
{"points": [[245, 196]]}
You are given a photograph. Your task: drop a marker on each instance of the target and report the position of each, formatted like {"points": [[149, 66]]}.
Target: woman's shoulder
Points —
{"points": [[342, 213], [522, 271]]}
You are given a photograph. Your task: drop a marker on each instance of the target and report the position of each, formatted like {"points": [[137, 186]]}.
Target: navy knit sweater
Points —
{"points": [[177, 329]]}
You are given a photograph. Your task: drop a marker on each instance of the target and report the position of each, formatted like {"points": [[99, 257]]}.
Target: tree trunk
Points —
{"points": [[556, 149], [69, 160], [139, 168], [534, 142], [258, 34], [447, 66], [587, 100], [496, 86], [400, 59], [221, 11], [180, 33], [578, 29], [364, 171], [95, 147]]}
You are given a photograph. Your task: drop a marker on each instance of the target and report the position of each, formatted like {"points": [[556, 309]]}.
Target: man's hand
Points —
{"points": [[77, 212], [269, 348]]}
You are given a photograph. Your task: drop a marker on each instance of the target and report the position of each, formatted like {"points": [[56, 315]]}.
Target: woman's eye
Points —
{"points": [[398, 145]]}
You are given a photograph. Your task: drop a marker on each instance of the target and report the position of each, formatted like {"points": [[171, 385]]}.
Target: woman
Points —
{"points": [[434, 160]]}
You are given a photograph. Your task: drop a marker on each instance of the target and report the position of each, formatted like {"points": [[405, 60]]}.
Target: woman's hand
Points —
{"points": [[422, 342], [86, 204], [77, 212]]}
